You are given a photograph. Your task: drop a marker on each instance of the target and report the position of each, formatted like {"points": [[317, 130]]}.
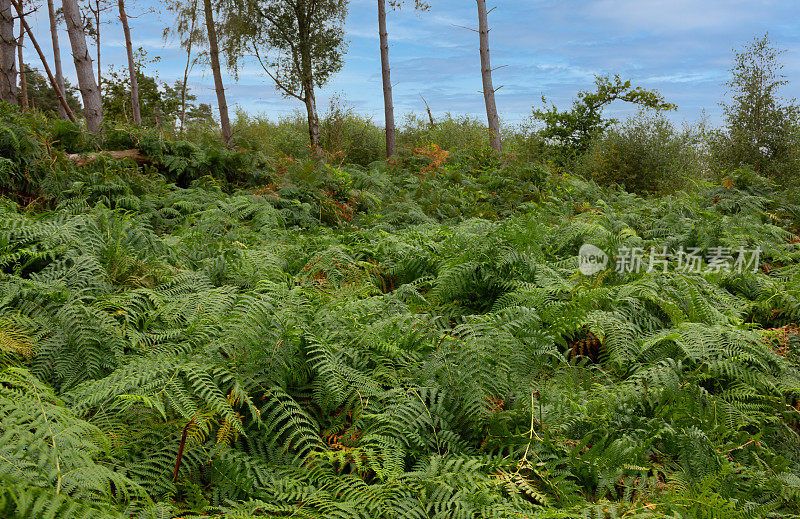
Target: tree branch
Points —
{"points": [[280, 85]]}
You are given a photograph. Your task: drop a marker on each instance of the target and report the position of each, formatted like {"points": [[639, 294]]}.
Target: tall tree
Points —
{"points": [[187, 69], [189, 35], [92, 106], [299, 44], [386, 75], [51, 11], [93, 28], [486, 73], [123, 18], [60, 91], [8, 55], [760, 125], [23, 84], [213, 54]]}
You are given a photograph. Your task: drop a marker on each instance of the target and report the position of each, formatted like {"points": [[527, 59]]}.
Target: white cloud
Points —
{"points": [[679, 15]]}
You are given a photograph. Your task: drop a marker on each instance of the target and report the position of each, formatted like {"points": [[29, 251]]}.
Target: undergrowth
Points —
{"points": [[234, 333]]}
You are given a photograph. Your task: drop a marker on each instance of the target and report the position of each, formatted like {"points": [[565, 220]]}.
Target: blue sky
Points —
{"points": [[554, 48]]}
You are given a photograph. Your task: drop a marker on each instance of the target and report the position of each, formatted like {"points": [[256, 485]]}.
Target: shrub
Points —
{"points": [[733, 149], [646, 154], [286, 136], [451, 133], [348, 138], [21, 167], [574, 130], [67, 136]]}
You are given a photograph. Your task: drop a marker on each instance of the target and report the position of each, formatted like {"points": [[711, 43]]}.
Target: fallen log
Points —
{"points": [[83, 159]]}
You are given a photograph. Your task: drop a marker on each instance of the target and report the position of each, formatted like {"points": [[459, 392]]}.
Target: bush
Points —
{"points": [[731, 150], [347, 137], [451, 133], [350, 138], [67, 136], [646, 154], [287, 136], [21, 165]]}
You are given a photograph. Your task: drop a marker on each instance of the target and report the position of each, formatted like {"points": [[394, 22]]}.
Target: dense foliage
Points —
{"points": [[574, 129], [760, 126], [41, 95], [646, 154], [244, 333]]}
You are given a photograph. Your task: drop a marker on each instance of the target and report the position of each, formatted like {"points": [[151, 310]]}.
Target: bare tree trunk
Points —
{"points": [[188, 66], [184, 85], [486, 73], [388, 102], [137, 114], [92, 105], [51, 10], [313, 118], [97, 28], [58, 90], [8, 55], [428, 108], [307, 82], [23, 80], [213, 51]]}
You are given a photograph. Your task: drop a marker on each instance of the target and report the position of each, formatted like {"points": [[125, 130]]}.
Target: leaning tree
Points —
{"points": [[60, 91], [216, 70]]}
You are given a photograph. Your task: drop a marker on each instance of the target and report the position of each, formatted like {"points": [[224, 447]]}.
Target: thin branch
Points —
{"points": [[275, 79], [462, 27]]}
